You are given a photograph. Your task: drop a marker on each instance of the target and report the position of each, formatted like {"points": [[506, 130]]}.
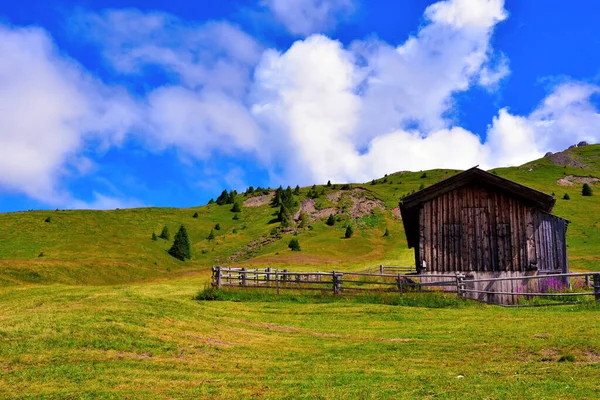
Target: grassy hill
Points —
{"points": [[110, 247], [107, 313]]}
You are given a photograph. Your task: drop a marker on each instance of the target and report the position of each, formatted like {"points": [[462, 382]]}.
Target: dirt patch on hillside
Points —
{"points": [[396, 213], [308, 207], [565, 158], [258, 201], [570, 180], [360, 204]]}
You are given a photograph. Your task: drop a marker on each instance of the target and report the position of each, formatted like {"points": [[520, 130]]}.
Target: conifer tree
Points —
{"points": [[154, 238], [195, 215], [328, 183], [586, 190], [236, 207], [217, 227], [294, 244], [223, 198], [284, 217], [330, 220], [566, 197], [164, 234], [297, 190], [211, 235], [181, 245], [349, 232]]}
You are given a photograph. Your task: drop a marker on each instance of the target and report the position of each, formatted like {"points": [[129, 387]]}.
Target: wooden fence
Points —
{"points": [[489, 290], [334, 281], [548, 287]]}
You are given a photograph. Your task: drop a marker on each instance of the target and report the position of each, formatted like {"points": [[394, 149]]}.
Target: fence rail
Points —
{"points": [[490, 290]]}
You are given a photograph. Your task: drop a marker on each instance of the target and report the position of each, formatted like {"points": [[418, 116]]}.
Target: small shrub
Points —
{"points": [[154, 238], [386, 233], [568, 357], [294, 244], [48, 219], [421, 187], [586, 190], [424, 175], [217, 227], [566, 197], [349, 232], [209, 294], [211, 235], [41, 254], [236, 217], [204, 251], [195, 215], [330, 220], [164, 234]]}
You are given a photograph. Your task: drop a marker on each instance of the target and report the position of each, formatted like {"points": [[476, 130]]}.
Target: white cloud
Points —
{"points": [[201, 109], [304, 17], [49, 106], [103, 202], [351, 114]]}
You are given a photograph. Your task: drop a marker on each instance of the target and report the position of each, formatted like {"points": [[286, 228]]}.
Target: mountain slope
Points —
{"points": [[100, 247]]}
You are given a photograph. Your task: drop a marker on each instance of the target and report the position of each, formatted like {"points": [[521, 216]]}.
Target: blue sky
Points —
{"points": [[106, 104]]}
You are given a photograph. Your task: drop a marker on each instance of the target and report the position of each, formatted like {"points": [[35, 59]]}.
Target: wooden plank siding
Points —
{"points": [[475, 228]]}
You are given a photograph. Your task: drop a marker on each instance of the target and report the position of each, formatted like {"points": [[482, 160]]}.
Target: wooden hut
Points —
{"points": [[486, 226]]}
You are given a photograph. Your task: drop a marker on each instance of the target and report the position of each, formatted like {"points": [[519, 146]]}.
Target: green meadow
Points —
{"points": [[92, 307]]}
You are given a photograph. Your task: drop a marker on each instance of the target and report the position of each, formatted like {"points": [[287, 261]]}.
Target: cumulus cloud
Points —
{"points": [[202, 107], [49, 107], [304, 17], [340, 111]]}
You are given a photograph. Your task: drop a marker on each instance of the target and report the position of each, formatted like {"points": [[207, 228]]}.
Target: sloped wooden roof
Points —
{"points": [[410, 205]]}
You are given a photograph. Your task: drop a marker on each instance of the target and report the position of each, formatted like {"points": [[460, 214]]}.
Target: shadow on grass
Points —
{"points": [[415, 299]]}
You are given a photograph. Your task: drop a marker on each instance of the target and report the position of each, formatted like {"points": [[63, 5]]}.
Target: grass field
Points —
{"points": [[155, 341], [107, 313]]}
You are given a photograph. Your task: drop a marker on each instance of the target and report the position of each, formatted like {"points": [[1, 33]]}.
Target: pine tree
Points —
{"points": [[154, 238], [294, 244], [284, 217], [236, 217], [211, 235], [211, 201], [181, 245], [349, 232], [297, 190], [566, 197], [195, 215], [330, 220], [236, 207], [328, 183], [424, 175], [164, 234], [223, 198], [586, 190], [217, 227]]}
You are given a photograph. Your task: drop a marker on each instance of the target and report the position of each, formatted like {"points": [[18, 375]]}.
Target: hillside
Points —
{"points": [[109, 247]]}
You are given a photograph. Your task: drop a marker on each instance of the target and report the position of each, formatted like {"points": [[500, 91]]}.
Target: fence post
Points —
{"points": [[597, 287], [336, 283], [284, 275], [268, 275], [460, 284], [399, 280], [277, 279], [244, 277], [381, 269], [218, 276], [587, 280]]}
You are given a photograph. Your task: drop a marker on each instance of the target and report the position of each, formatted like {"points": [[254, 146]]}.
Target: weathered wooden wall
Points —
{"points": [[476, 229]]}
